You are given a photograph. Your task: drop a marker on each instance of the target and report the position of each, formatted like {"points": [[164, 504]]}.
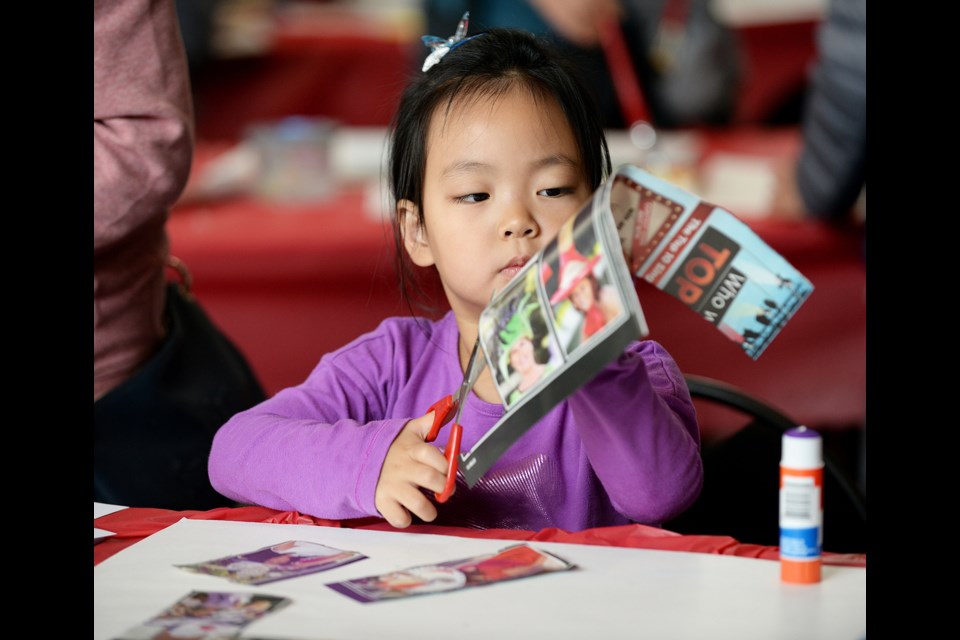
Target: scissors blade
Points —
{"points": [[475, 366]]}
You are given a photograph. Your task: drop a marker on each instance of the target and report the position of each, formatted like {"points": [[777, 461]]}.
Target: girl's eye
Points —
{"points": [[555, 192], [472, 198]]}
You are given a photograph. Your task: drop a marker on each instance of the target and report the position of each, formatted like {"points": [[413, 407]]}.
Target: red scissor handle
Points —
{"points": [[452, 454], [443, 411]]}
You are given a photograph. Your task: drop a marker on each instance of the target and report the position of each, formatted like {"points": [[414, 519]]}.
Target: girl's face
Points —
{"points": [[502, 175], [582, 295], [521, 355]]}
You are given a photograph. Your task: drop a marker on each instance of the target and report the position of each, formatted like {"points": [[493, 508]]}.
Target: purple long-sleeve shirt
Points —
{"points": [[624, 448]]}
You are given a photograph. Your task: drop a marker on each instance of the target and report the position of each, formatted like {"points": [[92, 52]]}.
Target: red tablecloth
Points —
{"points": [[355, 79], [134, 524]]}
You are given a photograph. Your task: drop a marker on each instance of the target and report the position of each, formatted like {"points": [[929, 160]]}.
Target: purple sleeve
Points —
{"points": [[300, 451], [639, 430]]}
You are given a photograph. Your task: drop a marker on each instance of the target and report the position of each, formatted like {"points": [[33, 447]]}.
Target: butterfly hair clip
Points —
{"points": [[441, 47]]}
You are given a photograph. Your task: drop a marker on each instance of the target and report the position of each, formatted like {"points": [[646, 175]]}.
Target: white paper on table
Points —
{"points": [[99, 510], [100, 534], [614, 591]]}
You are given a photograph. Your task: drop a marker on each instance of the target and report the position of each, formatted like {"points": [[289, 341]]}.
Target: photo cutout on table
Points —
{"points": [[206, 615], [511, 563], [280, 561]]}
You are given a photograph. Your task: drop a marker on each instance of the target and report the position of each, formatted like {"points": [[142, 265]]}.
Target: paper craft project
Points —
{"points": [[705, 257], [203, 615], [276, 562], [573, 308], [520, 561], [570, 311]]}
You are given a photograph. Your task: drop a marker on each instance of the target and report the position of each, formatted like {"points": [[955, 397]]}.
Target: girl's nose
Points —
{"points": [[518, 223]]}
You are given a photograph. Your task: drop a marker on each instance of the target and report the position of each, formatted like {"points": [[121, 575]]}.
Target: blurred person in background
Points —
{"points": [[195, 19], [828, 180], [830, 174], [164, 377], [687, 65]]}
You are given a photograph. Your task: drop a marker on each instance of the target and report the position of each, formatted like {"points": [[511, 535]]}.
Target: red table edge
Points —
{"points": [[135, 523]]}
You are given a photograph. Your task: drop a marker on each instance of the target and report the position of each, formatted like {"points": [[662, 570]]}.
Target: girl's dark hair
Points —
{"points": [[487, 65]]}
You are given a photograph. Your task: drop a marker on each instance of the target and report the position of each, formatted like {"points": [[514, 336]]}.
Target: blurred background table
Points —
{"points": [[290, 281], [350, 60]]}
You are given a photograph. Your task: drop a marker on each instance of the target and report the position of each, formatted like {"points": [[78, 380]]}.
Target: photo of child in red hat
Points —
{"points": [[581, 284]]}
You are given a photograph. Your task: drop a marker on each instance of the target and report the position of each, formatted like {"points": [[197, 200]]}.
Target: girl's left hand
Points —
{"points": [[411, 466]]}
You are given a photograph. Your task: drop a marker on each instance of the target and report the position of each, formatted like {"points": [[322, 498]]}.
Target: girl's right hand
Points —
{"points": [[411, 466]]}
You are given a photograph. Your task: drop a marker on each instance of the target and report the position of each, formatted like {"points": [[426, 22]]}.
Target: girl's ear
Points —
{"points": [[414, 235]]}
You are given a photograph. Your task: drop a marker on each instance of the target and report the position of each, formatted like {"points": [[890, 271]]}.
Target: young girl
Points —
{"points": [[493, 147]]}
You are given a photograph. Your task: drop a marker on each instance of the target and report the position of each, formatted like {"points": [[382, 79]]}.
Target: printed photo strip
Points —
{"points": [[512, 563], [206, 615], [280, 561], [570, 311]]}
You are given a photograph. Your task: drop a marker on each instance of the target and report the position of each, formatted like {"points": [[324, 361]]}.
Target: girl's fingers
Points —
{"points": [[418, 504], [429, 456], [420, 427], [425, 470], [407, 501], [394, 513], [412, 471], [426, 453]]}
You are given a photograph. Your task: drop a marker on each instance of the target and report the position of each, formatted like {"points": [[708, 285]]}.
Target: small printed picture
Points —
{"points": [[643, 217], [518, 340], [276, 562], [204, 615], [583, 296], [520, 561]]}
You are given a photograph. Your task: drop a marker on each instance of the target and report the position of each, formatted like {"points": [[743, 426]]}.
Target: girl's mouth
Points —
{"points": [[513, 267]]}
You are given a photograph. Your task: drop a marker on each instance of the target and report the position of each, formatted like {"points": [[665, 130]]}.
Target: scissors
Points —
{"points": [[442, 409]]}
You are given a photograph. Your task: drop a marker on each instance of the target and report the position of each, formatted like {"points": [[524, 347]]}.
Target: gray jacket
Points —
{"points": [[833, 163]]}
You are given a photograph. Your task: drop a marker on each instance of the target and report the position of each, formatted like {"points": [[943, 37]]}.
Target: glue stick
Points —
{"points": [[801, 506]]}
